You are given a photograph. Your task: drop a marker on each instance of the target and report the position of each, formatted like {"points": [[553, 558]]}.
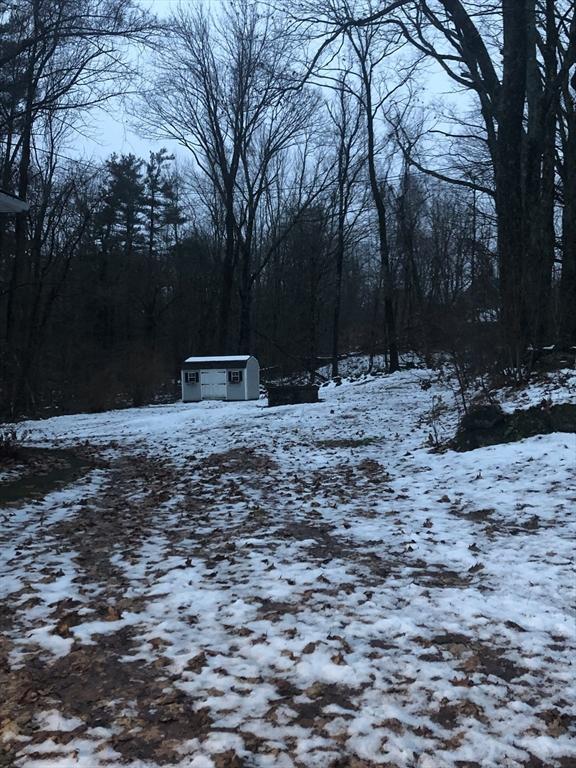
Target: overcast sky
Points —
{"points": [[115, 130]]}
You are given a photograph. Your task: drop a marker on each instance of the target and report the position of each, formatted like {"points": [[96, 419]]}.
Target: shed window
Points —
{"points": [[235, 377], [191, 377]]}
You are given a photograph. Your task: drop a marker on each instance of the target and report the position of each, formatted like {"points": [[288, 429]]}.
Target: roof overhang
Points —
{"points": [[11, 204], [225, 361]]}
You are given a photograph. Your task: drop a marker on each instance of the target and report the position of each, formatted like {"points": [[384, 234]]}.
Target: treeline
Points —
{"points": [[308, 217], [141, 286]]}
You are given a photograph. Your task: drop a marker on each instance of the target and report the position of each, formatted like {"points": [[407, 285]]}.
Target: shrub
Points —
{"points": [[11, 439]]}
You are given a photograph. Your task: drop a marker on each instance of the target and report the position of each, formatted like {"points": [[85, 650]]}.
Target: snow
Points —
{"points": [[357, 596], [10, 475], [217, 358], [54, 721], [547, 388]]}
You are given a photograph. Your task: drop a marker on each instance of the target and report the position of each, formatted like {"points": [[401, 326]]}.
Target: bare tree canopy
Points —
{"points": [[401, 173]]}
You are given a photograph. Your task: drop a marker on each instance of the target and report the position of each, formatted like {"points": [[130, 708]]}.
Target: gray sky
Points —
{"points": [[114, 130]]}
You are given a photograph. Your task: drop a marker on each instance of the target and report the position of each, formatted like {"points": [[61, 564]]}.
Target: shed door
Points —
{"points": [[213, 385]]}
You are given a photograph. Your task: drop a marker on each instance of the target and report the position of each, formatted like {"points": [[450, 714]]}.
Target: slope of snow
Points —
{"points": [[318, 586]]}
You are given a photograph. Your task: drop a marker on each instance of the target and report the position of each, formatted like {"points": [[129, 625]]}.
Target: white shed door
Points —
{"points": [[213, 385]]}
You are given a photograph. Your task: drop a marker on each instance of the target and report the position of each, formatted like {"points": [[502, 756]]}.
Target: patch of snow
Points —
{"points": [[52, 720]]}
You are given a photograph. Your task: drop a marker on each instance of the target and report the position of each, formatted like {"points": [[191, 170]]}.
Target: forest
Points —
{"points": [[337, 177]]}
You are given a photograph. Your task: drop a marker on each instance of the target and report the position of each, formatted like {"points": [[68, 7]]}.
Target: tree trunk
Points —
{"points": [[568, 279], [539, 176], [508, 177], [245, 330], [227, 280], [338, 286], [384, 250]]}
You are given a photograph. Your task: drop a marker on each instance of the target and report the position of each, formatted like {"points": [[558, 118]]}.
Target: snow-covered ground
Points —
{"points": [[297, 586]]}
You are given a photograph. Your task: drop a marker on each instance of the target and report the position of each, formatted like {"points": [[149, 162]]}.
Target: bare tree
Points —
{"points": [[519, 104], [566, 42], [517, 59], [222, 91], [370, 49], [60, 57], [347, 118]]}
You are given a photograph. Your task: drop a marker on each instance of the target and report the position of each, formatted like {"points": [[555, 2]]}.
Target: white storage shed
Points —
{"points": [[231, 377]]}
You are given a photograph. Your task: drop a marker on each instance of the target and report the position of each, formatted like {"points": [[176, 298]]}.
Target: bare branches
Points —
{"points": [[223, 89]]}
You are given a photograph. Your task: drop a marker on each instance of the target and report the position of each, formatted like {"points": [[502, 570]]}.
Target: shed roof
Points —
{"points": [[223, 358], [215, 361], [11, 204]]}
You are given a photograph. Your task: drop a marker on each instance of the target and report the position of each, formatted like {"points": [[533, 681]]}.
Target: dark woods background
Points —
{"points": [[303, 221]]}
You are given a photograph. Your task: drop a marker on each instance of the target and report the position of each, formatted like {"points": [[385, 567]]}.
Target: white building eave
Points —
{"points": [[11, 204], [216, 358]]}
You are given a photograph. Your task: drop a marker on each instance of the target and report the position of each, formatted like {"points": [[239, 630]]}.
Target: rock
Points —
{"points": [[482, 425], [489, 425], [527, 423], [482, 417], [563, 417]]}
